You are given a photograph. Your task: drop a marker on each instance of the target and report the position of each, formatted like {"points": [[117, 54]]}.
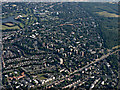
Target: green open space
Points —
{"points": [[6, 27], [41, 77], [107, 14], [9, 24]]}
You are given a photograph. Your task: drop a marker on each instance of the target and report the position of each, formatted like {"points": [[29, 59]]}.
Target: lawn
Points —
{"points": [[106, 14], [9, 24], [41, 77], [6, 27]]}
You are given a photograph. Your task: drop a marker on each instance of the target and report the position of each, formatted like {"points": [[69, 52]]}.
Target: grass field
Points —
{"points": [[41, 77], [106, 14], [9, 24], [6, 27]]}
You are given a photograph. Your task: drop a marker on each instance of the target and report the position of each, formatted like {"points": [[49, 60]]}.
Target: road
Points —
{"points": [[96, 60]]}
